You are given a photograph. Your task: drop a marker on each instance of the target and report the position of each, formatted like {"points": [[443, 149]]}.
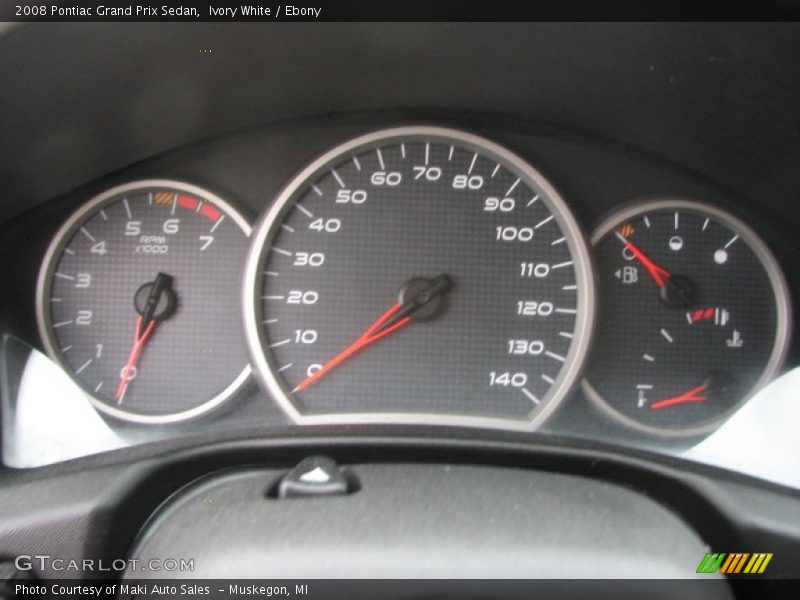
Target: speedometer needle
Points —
{"points": [[398, 316], [693, 395]]}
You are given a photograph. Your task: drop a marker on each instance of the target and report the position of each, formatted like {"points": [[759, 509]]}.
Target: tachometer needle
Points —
{"points": [[659, 274], [398, 316], [154, 301], [693, 395], [139, 340]]}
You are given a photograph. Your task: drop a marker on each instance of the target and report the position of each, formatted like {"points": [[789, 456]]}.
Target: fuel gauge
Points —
{"points": [[694, 315]]}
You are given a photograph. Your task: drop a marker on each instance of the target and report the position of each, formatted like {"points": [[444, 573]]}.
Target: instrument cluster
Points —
{"points": [[415, 275]]}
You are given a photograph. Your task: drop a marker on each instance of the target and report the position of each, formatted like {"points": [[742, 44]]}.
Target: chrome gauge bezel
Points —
{"points": [[267, 226], [777, 280], [44, 284]]}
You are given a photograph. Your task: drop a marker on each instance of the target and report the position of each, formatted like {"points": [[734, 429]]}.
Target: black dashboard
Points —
{"points": [[560, 247]]}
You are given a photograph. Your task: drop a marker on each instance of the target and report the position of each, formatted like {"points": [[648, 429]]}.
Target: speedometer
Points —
{"points": [[419, 275]]}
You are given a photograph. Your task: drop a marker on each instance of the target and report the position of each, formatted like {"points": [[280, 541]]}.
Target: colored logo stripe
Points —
{"points": [[734, 562]]}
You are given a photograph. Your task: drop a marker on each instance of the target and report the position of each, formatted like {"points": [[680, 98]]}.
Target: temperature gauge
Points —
{"points": [[693, 319]]}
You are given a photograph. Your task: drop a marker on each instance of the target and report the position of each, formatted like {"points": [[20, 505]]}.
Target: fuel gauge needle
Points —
{"points": [[659, 274], [397, 317], [675, 291], [693, 395]]}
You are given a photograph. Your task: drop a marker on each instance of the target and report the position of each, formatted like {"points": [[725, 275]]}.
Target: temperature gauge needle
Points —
{"points": [[398, 316], [154, 301], [693, 395]]}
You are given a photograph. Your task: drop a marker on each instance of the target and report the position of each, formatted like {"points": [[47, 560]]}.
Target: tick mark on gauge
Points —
{"points": [[127, 207], [496, 169], [567, 311], [530, 396], [472, 164], [569, 287], [731, 241], [98, 386], [555, 356], [356, 163], [287, 228], [548, 379], [62, 324], [380, 158], [427, 152], [565, 334], [677, 220], [85, 232], [270, 321], [648, 358], [66, 348], [68, 251], [284, 367], [667, 336], [281, 251], [317, 191], [450, 154], [532, 200], [83, 366], [104, 216], [281, 343], [513, 187], [63, 276], [705, 224], [561, 265], [646, 222], [558, 241], [544, 221], [215, 225], [273, 297], [271, 273], [305, 211], [403, 150], [338, 178]]}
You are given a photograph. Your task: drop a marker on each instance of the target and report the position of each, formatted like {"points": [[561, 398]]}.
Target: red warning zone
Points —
{"points": [[210, 212], [702, 314], [186, 201]]}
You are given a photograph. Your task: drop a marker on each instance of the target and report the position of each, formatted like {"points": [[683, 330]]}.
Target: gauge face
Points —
{"points": [[694, 317], [419, 275], [138, 299]]}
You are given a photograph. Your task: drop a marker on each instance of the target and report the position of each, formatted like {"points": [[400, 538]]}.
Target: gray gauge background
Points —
{"points": [[438, 371], [746, 282], [194, 360]]}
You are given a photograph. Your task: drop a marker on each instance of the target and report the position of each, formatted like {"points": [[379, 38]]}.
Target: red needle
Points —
{"points": [[658, 273], [139, 341], [367, 338], [693, 395]]}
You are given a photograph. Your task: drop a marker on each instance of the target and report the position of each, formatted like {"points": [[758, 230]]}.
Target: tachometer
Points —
{"points": [[695, 317], [419, 275], [138, 299]]}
